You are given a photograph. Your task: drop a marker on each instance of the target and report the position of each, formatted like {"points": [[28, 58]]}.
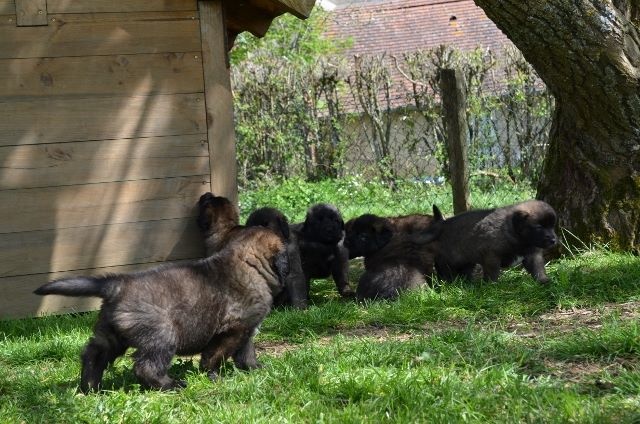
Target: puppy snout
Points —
{"points": [[550, 240]]}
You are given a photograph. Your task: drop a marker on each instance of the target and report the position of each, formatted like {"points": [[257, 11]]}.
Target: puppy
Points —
{"points": [[393, 261], [218, 222], [319, 243], [218, 219], [400, 265], [369, 233], [494, 239], [211, 306]]}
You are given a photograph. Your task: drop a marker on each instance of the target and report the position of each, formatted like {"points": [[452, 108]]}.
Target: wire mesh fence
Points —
{"points": [[381, 117]]}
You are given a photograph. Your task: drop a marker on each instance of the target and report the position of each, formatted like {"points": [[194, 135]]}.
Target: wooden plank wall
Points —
{"points": [[103, 144]]}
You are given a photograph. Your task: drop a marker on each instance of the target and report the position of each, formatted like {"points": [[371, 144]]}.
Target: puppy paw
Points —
{"points": [[348, 292], [174, 385]]}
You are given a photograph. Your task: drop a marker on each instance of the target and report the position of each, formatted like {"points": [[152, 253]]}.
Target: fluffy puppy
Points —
{"points": [[218, 222], [210, 306], [393, 260], [369, 233], [494, 239], [218, 219], [318, 242], [400, 265]]}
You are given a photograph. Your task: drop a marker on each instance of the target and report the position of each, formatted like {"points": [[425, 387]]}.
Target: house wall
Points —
{"points": [[103, 143]]}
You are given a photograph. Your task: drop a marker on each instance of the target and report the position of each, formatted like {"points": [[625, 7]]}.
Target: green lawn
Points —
{"points": [[512, 351]]}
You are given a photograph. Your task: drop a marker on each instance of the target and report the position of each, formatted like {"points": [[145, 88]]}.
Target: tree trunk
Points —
{"points": [[588, 54]]}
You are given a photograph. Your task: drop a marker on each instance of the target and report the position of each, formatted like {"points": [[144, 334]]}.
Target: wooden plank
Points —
{"points": [[140, 74], [37, 252], [219, 100], [76, 119], [7, 7], [454, 105], [18, 300], [90, 18], [31, 12], [97, 204], [300, 8], [240, 16], [103, 6], [88, 162], [88, 38]]}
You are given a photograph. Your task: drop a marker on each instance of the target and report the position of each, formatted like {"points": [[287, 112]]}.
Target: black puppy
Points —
{"points": [[494, 239], [211, 306], [319, 244], [369, 233], [393, 261]]}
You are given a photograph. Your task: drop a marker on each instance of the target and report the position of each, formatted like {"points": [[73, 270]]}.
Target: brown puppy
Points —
{"points": [[218, 222], [319, 243], [393, 261], [211, 306], [494, 239], [217, 219]]}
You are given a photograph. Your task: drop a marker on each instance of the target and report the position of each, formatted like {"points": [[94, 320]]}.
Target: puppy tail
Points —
{"points": [[77, 287]]}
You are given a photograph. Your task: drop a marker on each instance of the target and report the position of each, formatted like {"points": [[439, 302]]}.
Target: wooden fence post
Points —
{"points": [[454, 104]]}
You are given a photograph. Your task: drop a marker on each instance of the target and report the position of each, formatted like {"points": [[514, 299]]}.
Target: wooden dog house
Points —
{"points": [[115, 116]]}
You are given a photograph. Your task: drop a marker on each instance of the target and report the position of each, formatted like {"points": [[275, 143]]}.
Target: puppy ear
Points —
{"points": [[281, 265], [519, 221], [284, 228], [204, 219], [437, 215], [205, 198]]}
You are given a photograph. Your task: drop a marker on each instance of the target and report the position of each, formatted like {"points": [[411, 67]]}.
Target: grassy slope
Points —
{"points": [[459, 352]]}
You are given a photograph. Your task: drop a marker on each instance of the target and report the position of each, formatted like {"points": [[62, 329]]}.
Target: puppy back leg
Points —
{"points": [[534, 264], [99, 353], [340, 272], [491, 268], [221, 347], [151, 366]]}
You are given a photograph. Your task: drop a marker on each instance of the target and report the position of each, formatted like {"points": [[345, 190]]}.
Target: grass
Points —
{"points": [[508, 352]]}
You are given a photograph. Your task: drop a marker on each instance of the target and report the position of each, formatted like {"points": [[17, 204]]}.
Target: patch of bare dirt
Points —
{"points": [[567, 320], [590, 372]]}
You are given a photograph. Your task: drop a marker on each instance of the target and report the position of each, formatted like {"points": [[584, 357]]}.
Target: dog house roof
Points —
{"points": [[255, 16]]}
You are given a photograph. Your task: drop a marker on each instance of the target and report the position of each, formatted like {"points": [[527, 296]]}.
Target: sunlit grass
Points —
{"points": [[511, 351]]}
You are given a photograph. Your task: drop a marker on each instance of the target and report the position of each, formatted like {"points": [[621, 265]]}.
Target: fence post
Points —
{"points": [[454, 104]]}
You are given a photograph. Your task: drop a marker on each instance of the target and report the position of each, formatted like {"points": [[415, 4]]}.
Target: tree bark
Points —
{"points": [[588, 54]]}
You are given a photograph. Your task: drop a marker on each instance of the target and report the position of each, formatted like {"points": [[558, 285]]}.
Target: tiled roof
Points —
{"points": [[399, 26], [402, 26]]}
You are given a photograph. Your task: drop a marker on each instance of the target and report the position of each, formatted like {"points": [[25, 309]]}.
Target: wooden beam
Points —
{"points": [[454, 103], [300, 8], [31, 12], [105, 6], [218, 100]]}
